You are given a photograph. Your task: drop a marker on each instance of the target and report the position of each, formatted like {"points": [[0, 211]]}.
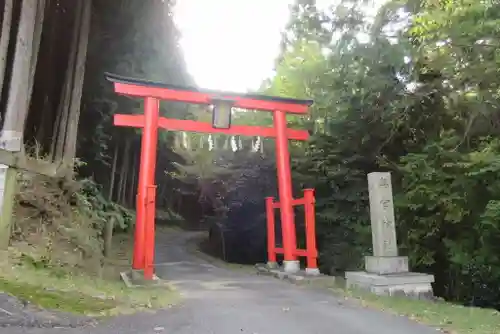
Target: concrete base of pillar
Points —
{"points": [[135, 278], [300, 277], [272, 265], [312, 272], [291, 267], [411, 285]]}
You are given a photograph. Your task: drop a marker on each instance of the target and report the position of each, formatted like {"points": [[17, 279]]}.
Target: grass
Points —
{"points": [[72, 302], [83, 294], [450, 318]]}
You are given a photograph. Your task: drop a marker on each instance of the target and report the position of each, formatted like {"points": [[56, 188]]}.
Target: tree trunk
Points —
{"points": [[161, 196], [132, 184], [48, 111], [37, 39], [126, 152], [60, 130], [18, 99], [5, 38], [179, 203], [76, 95], [108, 229], [125, 179], [113, 173], [170, 198]]}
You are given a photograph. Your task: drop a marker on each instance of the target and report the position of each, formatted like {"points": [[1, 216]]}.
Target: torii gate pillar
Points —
{"points": [[290, 264]]}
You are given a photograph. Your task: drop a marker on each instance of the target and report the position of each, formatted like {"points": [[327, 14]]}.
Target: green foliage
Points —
{"points": [[452, 201], [93, 203], [412, 90], [142, 42]]}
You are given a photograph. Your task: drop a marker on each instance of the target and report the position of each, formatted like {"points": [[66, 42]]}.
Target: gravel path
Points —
{"points": [[220, 301], [15, 313]]}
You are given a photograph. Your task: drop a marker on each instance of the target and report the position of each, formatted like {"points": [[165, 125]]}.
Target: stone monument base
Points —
{"points": [[383, 265], [411, 285]]}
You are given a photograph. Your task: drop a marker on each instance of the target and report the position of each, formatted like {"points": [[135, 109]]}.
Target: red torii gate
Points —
{"points": [[152, 93]]}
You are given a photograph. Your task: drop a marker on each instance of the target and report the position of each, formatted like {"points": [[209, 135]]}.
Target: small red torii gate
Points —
{"points": [[152, 93]]}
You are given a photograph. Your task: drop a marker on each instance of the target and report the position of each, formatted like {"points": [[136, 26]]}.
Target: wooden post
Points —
{"points": [[8, 187]]}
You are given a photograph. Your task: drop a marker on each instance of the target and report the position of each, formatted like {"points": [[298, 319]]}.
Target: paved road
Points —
{"points": [[219, 301]]}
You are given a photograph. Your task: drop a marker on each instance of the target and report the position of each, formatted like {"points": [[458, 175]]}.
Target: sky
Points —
{"points": [[231, 44]]}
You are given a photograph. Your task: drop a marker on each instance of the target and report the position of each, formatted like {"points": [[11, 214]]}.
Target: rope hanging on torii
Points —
{"points": [[236, 144]]}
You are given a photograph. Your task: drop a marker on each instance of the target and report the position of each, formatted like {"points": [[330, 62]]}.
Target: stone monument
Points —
{"points": [[386, 273]]}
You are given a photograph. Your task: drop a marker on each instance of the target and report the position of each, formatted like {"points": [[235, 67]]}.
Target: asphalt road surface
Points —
{"points": [[220, 301]]}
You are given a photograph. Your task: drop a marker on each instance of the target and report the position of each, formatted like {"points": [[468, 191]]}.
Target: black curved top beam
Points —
{"points": [[142, 82]]}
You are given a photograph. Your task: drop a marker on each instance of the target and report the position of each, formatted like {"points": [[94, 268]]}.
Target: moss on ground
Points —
{"points": [[56, 256], [449, 317], [96, 295], [72, 302]]}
